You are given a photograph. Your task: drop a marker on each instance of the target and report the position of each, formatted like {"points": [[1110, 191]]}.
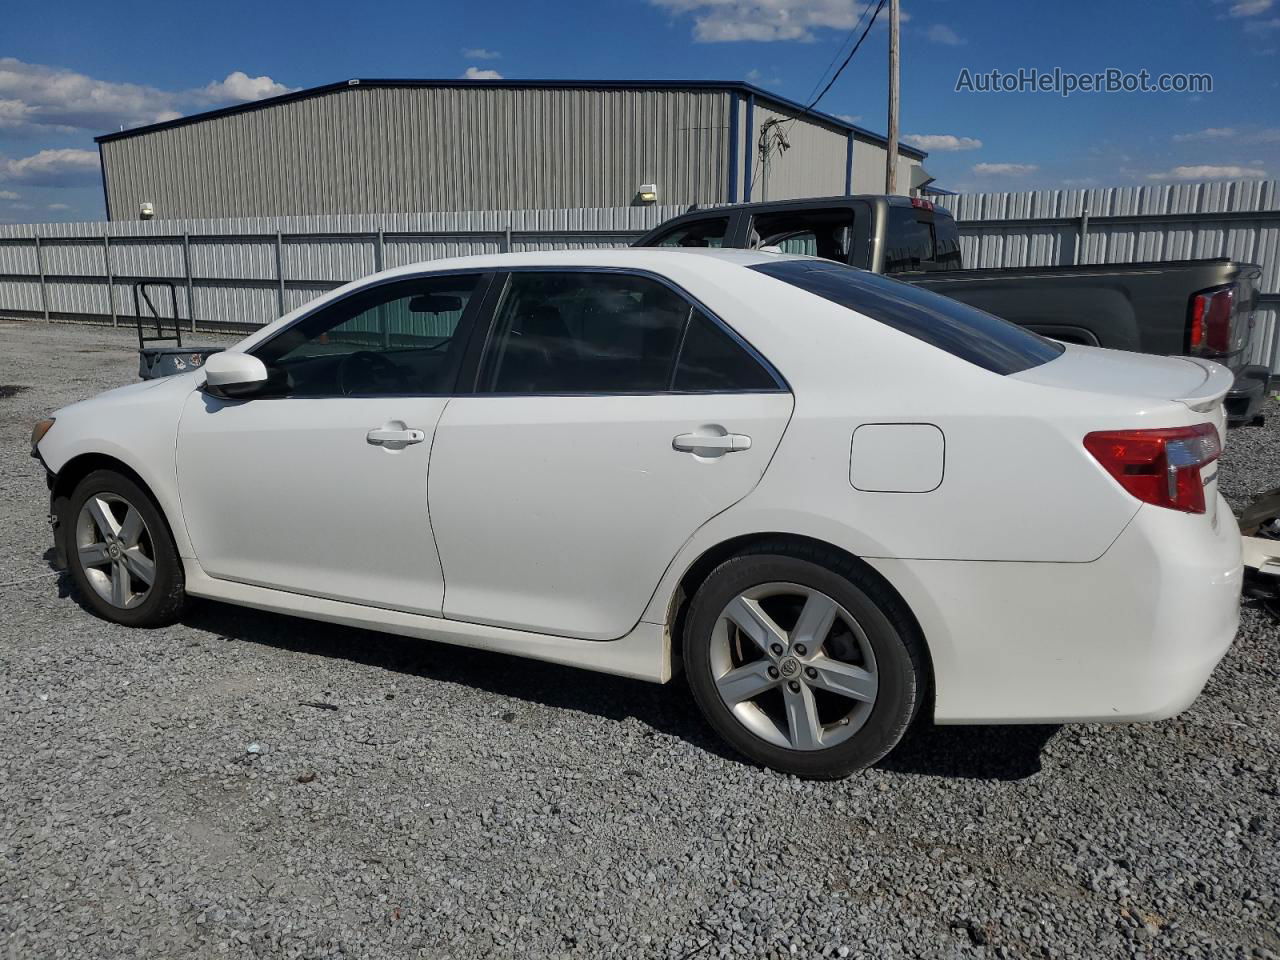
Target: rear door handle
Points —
{"points": [[724, 443], [394, 436]]}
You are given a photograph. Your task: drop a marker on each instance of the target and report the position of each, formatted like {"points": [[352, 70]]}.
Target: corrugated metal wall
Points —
{"points": [[1185, 221], [249, 271], [407, 149], [234, 277], [813, 167]]}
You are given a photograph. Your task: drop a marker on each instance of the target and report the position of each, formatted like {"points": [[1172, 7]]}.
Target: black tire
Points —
{"points": [[900, 659], [166, 598]]}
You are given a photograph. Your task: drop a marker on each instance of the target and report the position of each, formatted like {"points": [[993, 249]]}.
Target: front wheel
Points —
{"points": [[121, 554], [808, 665]]}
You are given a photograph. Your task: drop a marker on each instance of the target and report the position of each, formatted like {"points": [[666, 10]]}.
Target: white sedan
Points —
{"points": [[837, 500]]}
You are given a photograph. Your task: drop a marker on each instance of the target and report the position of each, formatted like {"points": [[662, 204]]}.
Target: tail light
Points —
{"points": [[921, 204], [1211, 319], [1160, 467]]}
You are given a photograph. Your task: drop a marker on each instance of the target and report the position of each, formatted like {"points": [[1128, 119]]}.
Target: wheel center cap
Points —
{"points": [[114, 551], [788, 666]]}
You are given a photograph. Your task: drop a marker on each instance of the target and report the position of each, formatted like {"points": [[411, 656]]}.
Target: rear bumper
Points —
{"points": [[1244, 401], [1134, 635]]}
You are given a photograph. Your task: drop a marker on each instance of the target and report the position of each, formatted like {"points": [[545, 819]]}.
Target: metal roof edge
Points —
{"points": [[740, 86]]}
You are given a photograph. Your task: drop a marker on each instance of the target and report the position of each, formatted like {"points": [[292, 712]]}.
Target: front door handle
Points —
{"points": [[394, 436], [722, 443]]}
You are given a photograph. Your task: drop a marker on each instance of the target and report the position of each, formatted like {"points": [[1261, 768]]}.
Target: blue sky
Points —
{"points": [[70, 70]]}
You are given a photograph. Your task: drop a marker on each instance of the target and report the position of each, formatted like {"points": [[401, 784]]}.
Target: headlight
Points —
{"points": [[38, 432]]}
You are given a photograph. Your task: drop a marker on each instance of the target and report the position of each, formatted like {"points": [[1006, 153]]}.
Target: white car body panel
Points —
{"points": [[335, 516], [1044, 591], [555, 514]]}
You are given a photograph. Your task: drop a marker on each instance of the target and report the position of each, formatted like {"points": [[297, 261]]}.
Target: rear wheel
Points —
{"points": [[121, 554], [806, 664]]}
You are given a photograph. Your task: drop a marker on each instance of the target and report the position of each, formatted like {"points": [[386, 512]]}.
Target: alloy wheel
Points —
{"points": [[115, 550], [793, 666]]}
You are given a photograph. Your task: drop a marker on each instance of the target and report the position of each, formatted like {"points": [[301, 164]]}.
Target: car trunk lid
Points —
{"points": [[1196, 383]]}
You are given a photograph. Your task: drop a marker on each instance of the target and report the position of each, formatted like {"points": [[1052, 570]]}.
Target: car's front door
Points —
{"points": [[611, 418], [318, 484]]}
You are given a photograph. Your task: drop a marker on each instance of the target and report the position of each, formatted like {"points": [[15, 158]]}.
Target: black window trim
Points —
{"points": [[473, 360], [473, 317]]}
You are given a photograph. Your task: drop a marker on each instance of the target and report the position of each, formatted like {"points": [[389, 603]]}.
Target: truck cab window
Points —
{"points": [[814, 233], [701, 233], [909, 242]]}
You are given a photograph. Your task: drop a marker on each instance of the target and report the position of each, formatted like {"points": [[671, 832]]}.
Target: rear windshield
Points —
{"points": [[959, 329]]}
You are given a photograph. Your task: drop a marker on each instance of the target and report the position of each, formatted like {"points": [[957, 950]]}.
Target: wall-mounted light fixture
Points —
{"points": [[146, 211], [648, 193]]}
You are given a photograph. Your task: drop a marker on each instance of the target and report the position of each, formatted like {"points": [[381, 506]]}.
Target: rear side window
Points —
{"points": [[584, 333], [959, 329], [825, 233], [711, 359], [700, 233]]}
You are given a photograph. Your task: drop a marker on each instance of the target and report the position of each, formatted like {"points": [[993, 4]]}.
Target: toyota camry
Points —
{"points": [[835, 501]]}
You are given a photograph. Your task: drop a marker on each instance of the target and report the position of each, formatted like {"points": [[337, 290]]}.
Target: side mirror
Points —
{"points": [[230, 374]]}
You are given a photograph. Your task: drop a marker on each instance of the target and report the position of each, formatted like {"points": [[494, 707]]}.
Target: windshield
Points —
{"points": [[959, 329]]}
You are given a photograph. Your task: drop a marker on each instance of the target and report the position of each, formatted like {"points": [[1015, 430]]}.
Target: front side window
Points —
{"points": [[700, 233], [959, 329], [394, 338], [567, 332]]}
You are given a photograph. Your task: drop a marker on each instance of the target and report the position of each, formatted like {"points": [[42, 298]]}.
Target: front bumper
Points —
{"points": [[1133, 635], [1244, 401]]}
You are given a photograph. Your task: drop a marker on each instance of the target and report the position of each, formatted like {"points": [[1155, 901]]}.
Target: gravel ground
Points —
{"points": [[450, 803]]}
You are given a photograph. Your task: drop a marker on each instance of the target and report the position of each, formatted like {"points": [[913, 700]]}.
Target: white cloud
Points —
{"points": [[1004, 169], [942, 142], [1081, 182], [1209, 133], [35, 98], [1263, 135], [480, 53], [940, 33], [1208, 171], [759, 78], [1249, 8], [475, 73], [849, 117], [728, 21], [9, 195], [59, 206], [53, 168], [240, 87]]}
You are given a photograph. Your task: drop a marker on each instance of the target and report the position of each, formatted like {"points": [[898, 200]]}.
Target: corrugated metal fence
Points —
{"points": [[1185, 221], [242, 273], [246, 272]]}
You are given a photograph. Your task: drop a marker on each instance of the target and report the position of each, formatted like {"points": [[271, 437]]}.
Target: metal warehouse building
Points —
{"points": [[398, 146]]}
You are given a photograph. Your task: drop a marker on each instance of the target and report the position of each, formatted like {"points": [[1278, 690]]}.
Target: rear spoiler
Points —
{"points": [[1208, 396]]}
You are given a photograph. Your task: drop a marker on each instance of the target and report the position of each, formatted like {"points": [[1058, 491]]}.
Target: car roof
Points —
{"points": [[634, 258]]}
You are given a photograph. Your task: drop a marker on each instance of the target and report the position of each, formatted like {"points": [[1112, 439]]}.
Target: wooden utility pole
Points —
{"points": [[891, 148]]}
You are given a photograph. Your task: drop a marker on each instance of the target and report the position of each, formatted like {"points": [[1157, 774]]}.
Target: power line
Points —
{"points": [[836, 76], [836, 56], [766, 149]]}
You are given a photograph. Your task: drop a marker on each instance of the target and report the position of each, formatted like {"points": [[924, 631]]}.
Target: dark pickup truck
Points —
{"points": [[1203, 308]]}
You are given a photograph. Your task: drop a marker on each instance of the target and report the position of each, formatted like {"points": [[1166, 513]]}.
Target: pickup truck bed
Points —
{"points": [[1198, 308], [1132, 306]]}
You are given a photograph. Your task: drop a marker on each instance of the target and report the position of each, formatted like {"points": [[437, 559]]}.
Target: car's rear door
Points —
{"points": [[611, 417]]}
